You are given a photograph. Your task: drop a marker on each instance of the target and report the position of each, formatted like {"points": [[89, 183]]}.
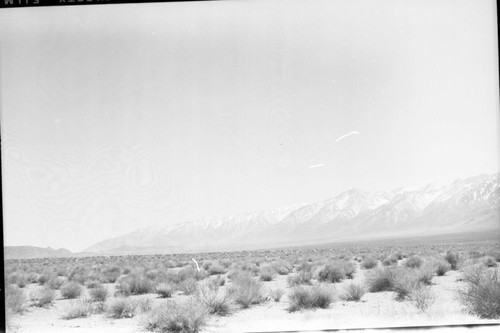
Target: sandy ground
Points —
{"points": [[374, 310]]}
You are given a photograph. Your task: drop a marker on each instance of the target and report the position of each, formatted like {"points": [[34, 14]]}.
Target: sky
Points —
{"points": [[117, 117]]}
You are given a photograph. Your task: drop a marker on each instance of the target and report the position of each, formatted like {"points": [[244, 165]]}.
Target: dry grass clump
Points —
{"points": [[215, 268], [188, 287], [452, 259], [215, 301], [18, 278], [99, 293], [413, 262], [380, 279], [354, 292], [422, 298], [121, 307], [110, 274], [71, 290], [305, 266], [266, 272], [442, 267], [165, 290], [134, 284], [276, 294], [349, 269], [404, 282], [187, 317], [302, 277], [142, 304], [43, 278], [332, 272], [43, 297], [90, 284], [318, 296], [282, 267], [245, 290], [55, 282], [390, 260], [481, 294], [14, 299], [369, 262], [426, 273], [489, 261], [78, 309], [219, 279]]}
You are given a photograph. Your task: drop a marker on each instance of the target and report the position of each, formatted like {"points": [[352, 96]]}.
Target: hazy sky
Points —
{"points": [[117, 117]]}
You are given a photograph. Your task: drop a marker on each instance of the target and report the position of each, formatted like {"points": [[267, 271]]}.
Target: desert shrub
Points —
{"points": [[142, 304], [399, 255], [55, 282], [413, 262], [282, 267], [43, 278], [79, 274], [134, 284], [220, 280], [442, 267], [349, 269], [426, 273], [153, 275], [304, 266], [266, 273], [215, 301], [318, 296], [187, 317], [495, 254], [302, 277], [276, 294], [354, 292], [189, 272], [71, 290], [17, 278], [474, 254], [481, 294], [422, 298], [121, 308], [390, 260], [246, 291], [188, 286], [387, 262], [333, 272], [42, 297], [165, 290], [78, 309], [369, 262], [489, 261], [404, 282], [215, 269], [226, 263], [99, 293], [251, 268], [32, 277], [14, 299], [452, 259], [110, 274], [380, 279], [92, 283]]}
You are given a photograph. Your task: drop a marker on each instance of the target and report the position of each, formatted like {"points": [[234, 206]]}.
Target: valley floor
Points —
{"points": [[374, 310]]}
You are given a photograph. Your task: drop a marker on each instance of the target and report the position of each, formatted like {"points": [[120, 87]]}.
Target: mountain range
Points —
{"points": [[465, 205], [30, 252]]}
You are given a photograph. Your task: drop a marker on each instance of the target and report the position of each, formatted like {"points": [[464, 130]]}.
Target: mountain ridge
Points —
{"points": [[468, 204]]}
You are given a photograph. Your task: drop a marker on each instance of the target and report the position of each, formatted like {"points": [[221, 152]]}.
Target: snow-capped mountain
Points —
{"points": [[465, 205]]}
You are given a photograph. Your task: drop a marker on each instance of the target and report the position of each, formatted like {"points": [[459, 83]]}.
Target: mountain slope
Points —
{"points": [[465, 205], [30, 252]]}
